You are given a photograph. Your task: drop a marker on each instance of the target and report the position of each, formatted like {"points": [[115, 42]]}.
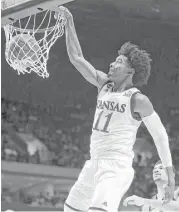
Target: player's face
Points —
{"points": [[159, 174], [119, 68]]}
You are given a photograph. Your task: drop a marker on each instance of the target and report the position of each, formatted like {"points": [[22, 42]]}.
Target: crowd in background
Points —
{"points": [[48, 198], [46, 143]]}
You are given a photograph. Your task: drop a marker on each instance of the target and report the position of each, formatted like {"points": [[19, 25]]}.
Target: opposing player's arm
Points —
{"points": [[171, 206], [150, 118], [95, 77], [138, 201]]}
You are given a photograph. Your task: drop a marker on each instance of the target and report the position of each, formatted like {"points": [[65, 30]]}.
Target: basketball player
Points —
{"points": [[120, 109], [156, 203]]}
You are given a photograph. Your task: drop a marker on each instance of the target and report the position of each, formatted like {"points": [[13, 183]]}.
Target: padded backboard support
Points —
{"points": [[12, 10]]}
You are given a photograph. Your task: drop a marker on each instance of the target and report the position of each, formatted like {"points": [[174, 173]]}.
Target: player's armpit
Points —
{"points": [[95, 77]]}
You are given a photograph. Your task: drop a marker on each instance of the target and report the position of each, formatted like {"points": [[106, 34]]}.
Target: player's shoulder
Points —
{"points": [[142, 104], [131, 92], [141, 100]]}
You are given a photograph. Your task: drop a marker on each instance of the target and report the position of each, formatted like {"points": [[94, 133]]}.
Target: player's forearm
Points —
{"points": [[73, 46], [162, 145], [159, 134], [173, 205]]}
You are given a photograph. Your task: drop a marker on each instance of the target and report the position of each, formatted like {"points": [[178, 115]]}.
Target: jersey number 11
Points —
{"points": [[108, 118]]}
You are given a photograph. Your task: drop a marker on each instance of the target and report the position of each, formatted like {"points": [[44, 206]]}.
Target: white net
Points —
{"points": [[28, 42]]}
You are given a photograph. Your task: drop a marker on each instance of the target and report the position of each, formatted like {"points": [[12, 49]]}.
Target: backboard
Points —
{"points": [[13, 10]]}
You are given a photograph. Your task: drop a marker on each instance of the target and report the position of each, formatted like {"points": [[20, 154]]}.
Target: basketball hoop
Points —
{"points": [[38, 32]]}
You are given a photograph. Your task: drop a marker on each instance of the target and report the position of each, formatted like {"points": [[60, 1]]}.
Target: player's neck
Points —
{"points": [[160, 191], [123, 85], [120, 87]]}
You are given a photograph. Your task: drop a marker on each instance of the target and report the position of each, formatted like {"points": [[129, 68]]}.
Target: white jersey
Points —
{"points": [[114, 128]]}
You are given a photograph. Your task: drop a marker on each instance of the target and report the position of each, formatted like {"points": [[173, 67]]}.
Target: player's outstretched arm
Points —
{"points": [[138, 201], [144, 107], [75, 54]]}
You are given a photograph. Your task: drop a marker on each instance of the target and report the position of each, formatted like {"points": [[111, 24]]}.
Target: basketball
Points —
{"points": [[23, 46]]}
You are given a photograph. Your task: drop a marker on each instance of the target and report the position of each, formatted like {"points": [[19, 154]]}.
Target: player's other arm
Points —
{"points": [[144, 107], [138, 201], [171, 206], [76, 57]]}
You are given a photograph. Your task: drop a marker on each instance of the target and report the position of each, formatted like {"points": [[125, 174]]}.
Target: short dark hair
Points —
{"points": [[160, 162], [139, 60]]}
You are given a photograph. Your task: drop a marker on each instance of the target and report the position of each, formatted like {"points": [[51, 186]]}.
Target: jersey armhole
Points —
{"points": [[102, 86], [135, 115]]}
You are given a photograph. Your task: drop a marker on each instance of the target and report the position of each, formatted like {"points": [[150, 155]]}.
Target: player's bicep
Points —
{"points": [[95, 77], [142, 105]]}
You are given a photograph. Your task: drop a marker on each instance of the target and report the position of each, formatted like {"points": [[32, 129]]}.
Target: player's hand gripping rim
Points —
{"points": [[64, 12]]}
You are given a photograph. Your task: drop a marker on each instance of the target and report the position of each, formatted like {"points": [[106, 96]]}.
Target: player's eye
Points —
{"points": [[161, 167]]}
